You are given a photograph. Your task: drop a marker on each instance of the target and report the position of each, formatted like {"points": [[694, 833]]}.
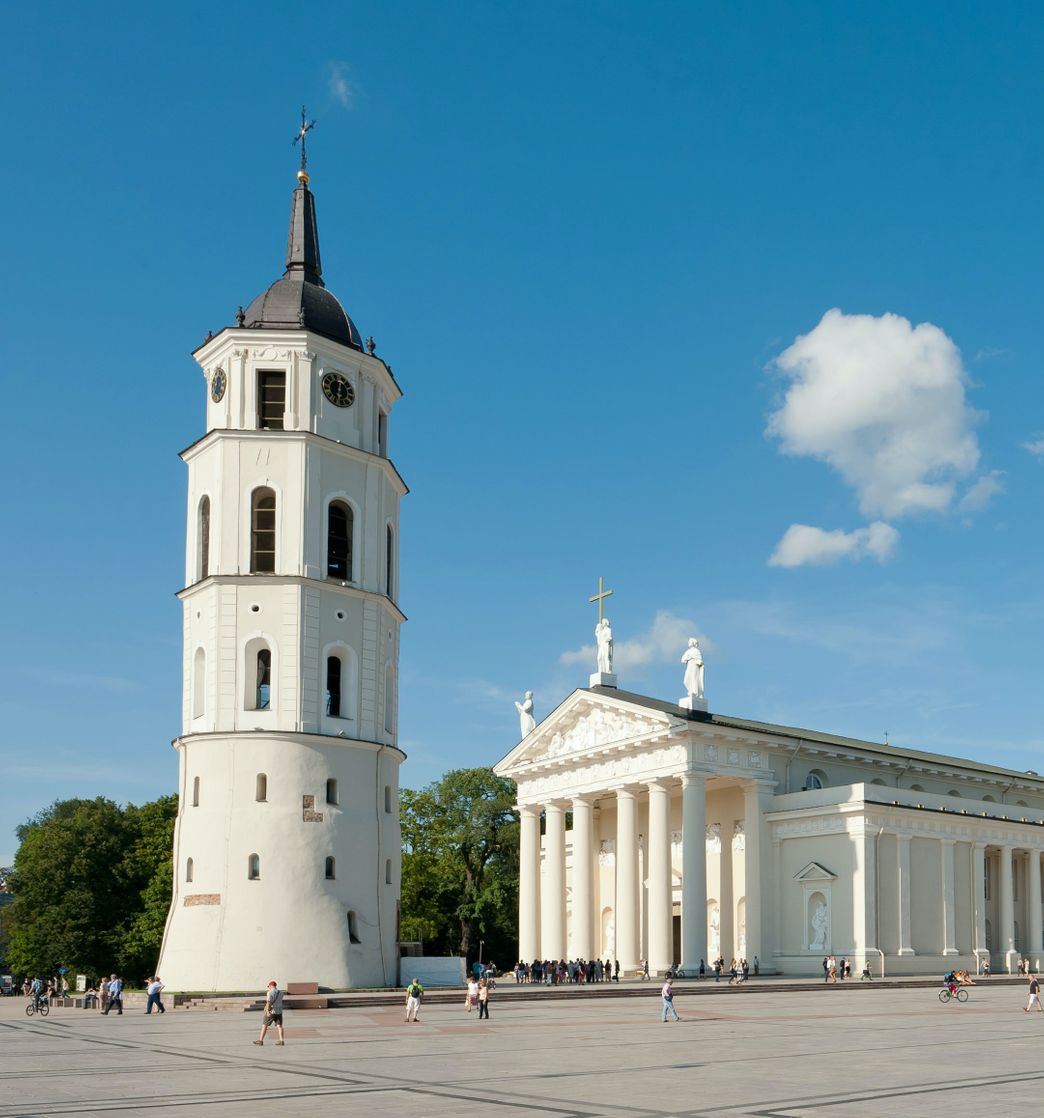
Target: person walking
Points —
{"points": [[1034, 994], [153, 987], [483, 999], [273, 1013], [115, 996], [414, 993], [667, 997], [471, 997], [645, 970], [703, 969]]}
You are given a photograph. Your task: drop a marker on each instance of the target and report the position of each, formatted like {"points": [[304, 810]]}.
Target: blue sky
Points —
{"points": [[588, 238]]}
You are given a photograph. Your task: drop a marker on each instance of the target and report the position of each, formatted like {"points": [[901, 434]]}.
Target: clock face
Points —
{"points": [[217, 386], [337, 388]]}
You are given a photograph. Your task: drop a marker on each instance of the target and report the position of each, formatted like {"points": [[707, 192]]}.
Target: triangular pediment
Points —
{"points": [[815, 872], [585, 724]]}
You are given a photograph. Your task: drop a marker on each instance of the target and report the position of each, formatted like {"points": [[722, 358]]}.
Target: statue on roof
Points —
{"points": [[526, 721], [692, 658]]}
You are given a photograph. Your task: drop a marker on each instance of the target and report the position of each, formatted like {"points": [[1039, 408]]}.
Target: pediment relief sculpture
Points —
{"points": [[593, 729]]}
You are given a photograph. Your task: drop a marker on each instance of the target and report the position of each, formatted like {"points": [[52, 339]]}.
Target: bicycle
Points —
{"points": [[945, 994], [40, 1007]]}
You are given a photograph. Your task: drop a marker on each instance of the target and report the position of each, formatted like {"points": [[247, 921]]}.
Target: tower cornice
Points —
{"points": [[219, 736], [219, 434], [347, 590]]}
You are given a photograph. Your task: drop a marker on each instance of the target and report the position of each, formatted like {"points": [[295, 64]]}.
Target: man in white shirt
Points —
{"points": [[273, 1013], [153, 988]]}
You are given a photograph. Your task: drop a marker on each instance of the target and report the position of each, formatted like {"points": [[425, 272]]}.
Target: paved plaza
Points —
{"points": [[832, 1053]]}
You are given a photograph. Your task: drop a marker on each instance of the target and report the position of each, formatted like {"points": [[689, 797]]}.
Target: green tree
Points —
{"points": [[460, 864], [86, 880]]}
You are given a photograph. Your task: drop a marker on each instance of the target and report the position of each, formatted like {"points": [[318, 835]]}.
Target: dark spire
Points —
{"points": [[302, 245]]}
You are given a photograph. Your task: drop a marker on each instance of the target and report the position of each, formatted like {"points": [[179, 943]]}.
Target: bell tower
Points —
{"points": [[287, 841]]}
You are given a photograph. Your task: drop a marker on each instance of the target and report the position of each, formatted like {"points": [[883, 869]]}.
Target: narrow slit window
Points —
{"points": [[353, 928], [264, 679], [195, 791], [199, 683], [331, 869], [189, 867], [263, 532], [254, 867], [331, 791], [389, 563], [387, 799], [204, 537], [339, 527], [333, 686], [271, 400], [382, 434], [261, 788], [387, 872]]}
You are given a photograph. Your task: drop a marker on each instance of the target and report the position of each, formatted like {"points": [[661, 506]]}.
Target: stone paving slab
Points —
{"points": [[828, 1054]]}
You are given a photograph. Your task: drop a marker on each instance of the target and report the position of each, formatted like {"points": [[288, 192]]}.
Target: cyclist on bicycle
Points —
{"points": [[950, 979], [36, 990]]}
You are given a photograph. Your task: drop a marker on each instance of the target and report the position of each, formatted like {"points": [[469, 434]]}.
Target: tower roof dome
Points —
{"points": [[299, 300]]}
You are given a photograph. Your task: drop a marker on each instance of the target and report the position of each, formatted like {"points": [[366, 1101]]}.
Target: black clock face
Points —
{"points": [[337, 388], [217, 386]]}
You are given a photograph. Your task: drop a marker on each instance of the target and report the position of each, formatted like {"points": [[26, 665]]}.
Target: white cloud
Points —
{"points": [[883, 403], [662, 643], [342, 88], [805, 545], [1035, 446], [980, 493]]}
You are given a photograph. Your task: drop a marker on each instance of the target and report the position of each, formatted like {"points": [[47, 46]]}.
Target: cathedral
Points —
{"points": [[696, 834], [287, 840]]}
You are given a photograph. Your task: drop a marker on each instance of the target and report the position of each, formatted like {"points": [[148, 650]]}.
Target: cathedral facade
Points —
{"points": [[287, 840], [695, 834]]}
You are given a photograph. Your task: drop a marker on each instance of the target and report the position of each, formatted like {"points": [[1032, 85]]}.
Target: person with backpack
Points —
{"points": [[667, 997], [414, 993]]}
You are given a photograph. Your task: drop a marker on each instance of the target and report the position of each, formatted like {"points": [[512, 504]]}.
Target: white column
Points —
{"points": [[582, 928], [529, 884], [978, 856], [1006, 908], [864, 896], [949, 897], [626, 914], [694, 871], [661, 940], [1036, 932], [902, 849], [753, 852], [552, 899]]}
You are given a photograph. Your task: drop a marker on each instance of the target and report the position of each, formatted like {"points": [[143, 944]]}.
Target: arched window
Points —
{"points": [[333, 686], [953, 792], [188, 870], [877, 780], [339, 525], [916, 788], [254, 867], [387, 872], [389, 563], [195, 791], [261, 788], [815, 779], [989, 799], [353, 928], [389, 700], [331, 791], [204, 537], [262, 532], [387, 799], [331, 868], [263, 693], [199, 683]]}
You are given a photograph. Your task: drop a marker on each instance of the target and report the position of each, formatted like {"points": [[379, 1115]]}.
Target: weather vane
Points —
{"points": [[306, 127]]}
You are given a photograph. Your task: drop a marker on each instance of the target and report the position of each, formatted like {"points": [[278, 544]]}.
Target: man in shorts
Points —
{"points": [[414, 993], [1034, 995], [273, 1013]]}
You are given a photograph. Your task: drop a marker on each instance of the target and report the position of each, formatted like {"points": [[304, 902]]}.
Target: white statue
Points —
{"points": [[610, 938], [526, 721], [715, 932], [692, 658], [604, 636], [820, 919]]}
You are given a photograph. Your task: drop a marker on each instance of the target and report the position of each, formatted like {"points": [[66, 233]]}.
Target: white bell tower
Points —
{"points": [[287, 842]]}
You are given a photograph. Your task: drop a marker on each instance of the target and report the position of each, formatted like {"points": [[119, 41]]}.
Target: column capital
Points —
{"points": [[619, 790], [947, 841], [659, 784], [980, 846], [525, 809], [556, 805], [692, 778], [587, 798]]}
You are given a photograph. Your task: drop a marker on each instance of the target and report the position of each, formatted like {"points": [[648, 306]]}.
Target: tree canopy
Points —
{"points": [[92, 885], [460, 865]]}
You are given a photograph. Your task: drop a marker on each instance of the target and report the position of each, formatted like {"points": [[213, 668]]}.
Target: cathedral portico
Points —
{"points": [[694, 834]]}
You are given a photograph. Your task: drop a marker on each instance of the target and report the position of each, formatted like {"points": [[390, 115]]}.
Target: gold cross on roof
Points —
{"points": [[600, 598]]}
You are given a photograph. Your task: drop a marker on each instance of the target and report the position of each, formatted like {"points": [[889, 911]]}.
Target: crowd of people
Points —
{"points": [[556, 972], [105, 996]]}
